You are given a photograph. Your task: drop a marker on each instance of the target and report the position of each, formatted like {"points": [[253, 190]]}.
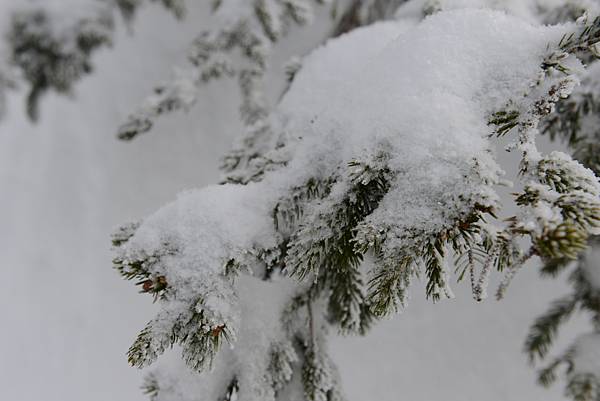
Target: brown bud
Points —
{"points": [[216, 331], [147, 285]]}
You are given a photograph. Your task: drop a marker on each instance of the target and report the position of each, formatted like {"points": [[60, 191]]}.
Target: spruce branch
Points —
{"points": [[434, 268], [55, 62], [553, 267], [198, 337], [583, 387], [480, 290], [231, 394], [542, 333], [151, 386], [326, 240], [123, 234], [547, 375], [282, 365], [318, 376], [289, 211], [565, 241], [511, 272], [348, 305], [388, 286], [504, 120], [142, 267]]}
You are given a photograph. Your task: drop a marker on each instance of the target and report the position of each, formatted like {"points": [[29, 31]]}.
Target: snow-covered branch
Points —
{"points": [[386, 169]]}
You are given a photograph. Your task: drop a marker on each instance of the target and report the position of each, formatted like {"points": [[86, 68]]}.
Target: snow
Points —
{"points": [[430, 116], [235, 216], [204, 229]]}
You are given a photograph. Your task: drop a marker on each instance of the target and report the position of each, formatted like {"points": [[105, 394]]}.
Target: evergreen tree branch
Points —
{"points": [[544, 330]]}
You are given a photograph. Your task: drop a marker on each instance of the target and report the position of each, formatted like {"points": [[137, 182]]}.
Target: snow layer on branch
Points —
{"points": [[329, 67], [207, 227], [193, 238], [417, 89], [424, 99]]}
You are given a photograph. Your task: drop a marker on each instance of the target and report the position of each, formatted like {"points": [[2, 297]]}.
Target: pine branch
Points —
{"points": [[434, 268], [511, 273], [55, 62], [289, 211], [565, 241], [544, 330], [388, 286], [327, 239], [142, 267], [198, 337], [348, 305], [553, 267], [318, 377], [281, 367], [231, 394], [547, 376], [583, 387], [151, 387]]}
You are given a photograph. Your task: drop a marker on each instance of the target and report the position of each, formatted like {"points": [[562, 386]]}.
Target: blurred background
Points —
{"points": [[67, 319]]}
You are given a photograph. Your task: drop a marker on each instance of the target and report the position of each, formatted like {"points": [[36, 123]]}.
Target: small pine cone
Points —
{"points": [[565, 241]]}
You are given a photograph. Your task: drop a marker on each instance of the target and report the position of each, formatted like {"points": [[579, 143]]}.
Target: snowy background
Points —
{"points": [[67, 319]]}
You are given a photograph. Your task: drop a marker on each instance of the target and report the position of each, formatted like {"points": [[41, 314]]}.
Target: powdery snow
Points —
{"points": [[236, 217], [425, 98], [194, 237]]}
